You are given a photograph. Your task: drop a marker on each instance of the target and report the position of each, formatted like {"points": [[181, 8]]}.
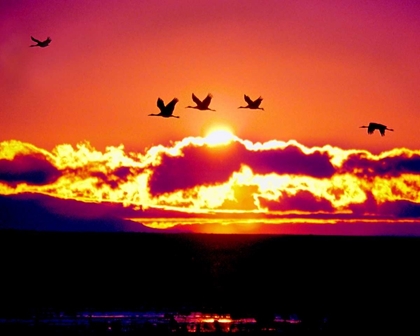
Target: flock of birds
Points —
{"points": [[166, 111]]}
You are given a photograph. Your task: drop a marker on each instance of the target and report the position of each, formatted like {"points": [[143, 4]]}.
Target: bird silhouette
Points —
{"points": [[252, 104], [166, 111], [375, 126], [39, 43], [201, 105]]}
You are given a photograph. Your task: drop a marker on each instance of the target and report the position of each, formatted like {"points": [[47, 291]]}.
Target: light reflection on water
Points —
{"points": [[194, 322]]}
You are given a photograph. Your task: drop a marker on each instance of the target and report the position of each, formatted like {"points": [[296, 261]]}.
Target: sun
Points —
{"points": [[220, 135]]}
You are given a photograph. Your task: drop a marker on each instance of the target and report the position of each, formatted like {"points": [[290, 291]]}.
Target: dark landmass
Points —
{"points": [[352, 281], [28, 212]]}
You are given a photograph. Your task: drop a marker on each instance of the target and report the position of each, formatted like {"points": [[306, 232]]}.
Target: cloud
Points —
{"points": [[30, 169], [364, 165], [243, 198], [400, 209], [195, 176], [112, 178], [369, 206], [303, 201], [195, 166], [204, 165], [290, 160]]}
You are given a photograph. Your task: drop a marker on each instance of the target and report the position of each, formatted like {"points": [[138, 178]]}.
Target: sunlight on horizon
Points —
{"points": [[278, 225]]}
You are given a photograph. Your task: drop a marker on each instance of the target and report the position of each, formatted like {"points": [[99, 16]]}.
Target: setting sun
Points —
{"points": [[219, 136]]}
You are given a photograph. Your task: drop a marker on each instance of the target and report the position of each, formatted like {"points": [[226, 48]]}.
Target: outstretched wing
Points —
{"points": [[171, 104], [169, 109], [207, 100], [248, 100], [258, 101], [35, 40], [381, 129], [195, 99], [160, 104]]}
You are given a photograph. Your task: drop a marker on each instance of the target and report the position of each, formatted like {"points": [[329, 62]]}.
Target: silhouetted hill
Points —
{"points": [[20, 212]]}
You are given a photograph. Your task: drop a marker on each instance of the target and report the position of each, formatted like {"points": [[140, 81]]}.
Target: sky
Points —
{"points": [[78, 147]]}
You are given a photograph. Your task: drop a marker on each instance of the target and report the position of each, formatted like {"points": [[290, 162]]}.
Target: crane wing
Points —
{"points": [[35, 40], [381, 128], [195, 99], [160, 104], [248, 100], [258, 101], [169, 109], [172, 102], [207, 100]]}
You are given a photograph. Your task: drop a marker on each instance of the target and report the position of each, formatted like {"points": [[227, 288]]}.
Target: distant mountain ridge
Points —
{"points": [[20, 212]]}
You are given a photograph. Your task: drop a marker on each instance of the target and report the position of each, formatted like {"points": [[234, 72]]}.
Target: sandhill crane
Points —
{"points": [[201, 105], [39, 43], [375, 126], [252, 104], [166, 111]]}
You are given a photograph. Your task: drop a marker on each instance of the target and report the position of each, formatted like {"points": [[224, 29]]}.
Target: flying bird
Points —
{"points": [[253, 104], [375, 126], [201, 105], [166, 111], [39, 43]]}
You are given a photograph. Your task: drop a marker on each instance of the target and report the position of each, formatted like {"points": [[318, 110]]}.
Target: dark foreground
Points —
{"points": [[330, 284]]}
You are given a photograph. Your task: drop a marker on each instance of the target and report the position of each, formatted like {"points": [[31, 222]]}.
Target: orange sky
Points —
{"points": [[323, 71]]}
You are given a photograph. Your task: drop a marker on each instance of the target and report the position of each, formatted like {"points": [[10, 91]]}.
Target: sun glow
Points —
{"points": [[219, 136]]}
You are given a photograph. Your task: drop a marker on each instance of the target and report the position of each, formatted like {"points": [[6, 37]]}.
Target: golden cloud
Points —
{"points": [[201, 175]]}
